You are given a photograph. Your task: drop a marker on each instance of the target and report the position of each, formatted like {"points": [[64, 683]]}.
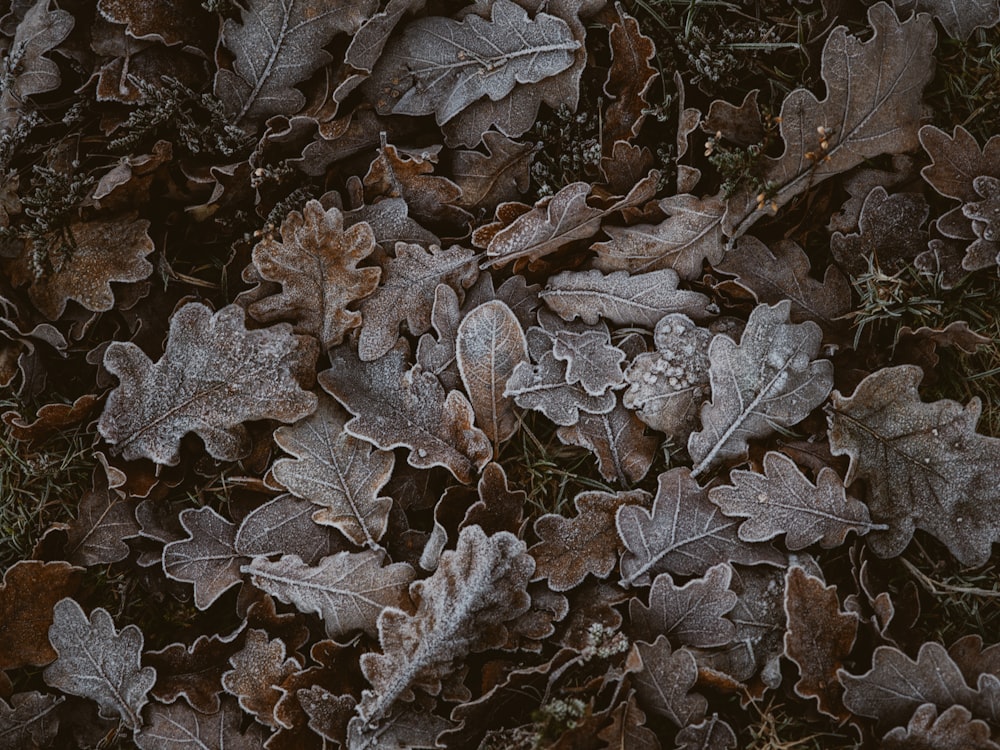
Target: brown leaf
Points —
{"points": [[959, 20], [395, 407], [502, 174], [711, 734], [626, 731], [50, 419], [629, 79], [328, 714], [490, 343], [338, 473], [104, 519], [30, 590], [193, 672], [957, 160], [692, 615], [285, 525], [257, 668], [499, 507], [954, 729], [924, 464], [207, 557], [31, 720], [167, 21], [818, 638], [214, 375], [889, 235], [409, 281], [624, 452], [570, 548], [316, 264], [741, 125], [178, 725], [663, 680]]}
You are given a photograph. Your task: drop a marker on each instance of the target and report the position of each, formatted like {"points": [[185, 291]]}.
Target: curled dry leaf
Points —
{"points": [[783, 501], [316, 264], [31, 719], [214, 375], [207, 557], [570, 548], [338, 473], [954, 729], [348, 590], [97, 662], [395, 407], [770, 379], [924, 464], [663, 680], [460, 609], [258, 669]]}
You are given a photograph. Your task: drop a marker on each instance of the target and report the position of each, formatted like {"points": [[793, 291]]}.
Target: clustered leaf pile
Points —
{"points": [[411, 425]]}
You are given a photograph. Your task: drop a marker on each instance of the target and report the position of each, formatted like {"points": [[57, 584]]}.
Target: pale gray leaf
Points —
{"points": [[711, 734], [663, 681], [403, 729], [30, 720], [207, 557], [543, 387], [954, 729], [692, 615], [624, 452], [591, 359], [179, 727]]}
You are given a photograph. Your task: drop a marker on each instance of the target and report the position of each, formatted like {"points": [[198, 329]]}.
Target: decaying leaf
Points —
{"points": [[97, 662], [770, 379], [462, 608], [924, 464], [316, 264], [398, 407], [683, 533], [570, 548], [31, 720], [213, 376], [690, 615], [340, 474], [348, 590], [258, 669], [489, 344], [954, 729], [207, 557], [783, 501], [663, 681], [617, 439], [177, 727]]}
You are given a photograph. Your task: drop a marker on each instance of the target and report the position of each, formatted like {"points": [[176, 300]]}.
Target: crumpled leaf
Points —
{"points": [[258, 669], [663, 680], [340, 474], [769, 380], [214, 375], [783, 501], [440, 66], [683, 534], [461, 609], [570, 548], [30, 720], [889, 233], [629, 79], [278, 45], [488, 180], [818, 638], [781, 271], [97, 662], [924, 464], [873, 106], [667, 386], [179, 727], [316, 264], [406, 293], [30, 590], [617, 439], [621, 298], [489, 344], [954, 729], [348, 590], [395, 407], [207, 557], [958, 19], [690, 615]]}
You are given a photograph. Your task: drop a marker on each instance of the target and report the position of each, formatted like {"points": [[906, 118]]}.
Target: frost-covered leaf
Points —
{"points": [[769, 380], [691, 615], [783, 501], [193, 672], [570, 548], [781, 271], [395, 407], [667, 386], [591, 359], [340, 474], [328, 714], [97, 662], [440, 66], [711, 734], [957, 160], [403, 729], [258, 669], [31, 720], [285, 526], [489, 344], [873, 106], [663, 680], [316, 264], [621, 298], [167, 21], [207, 557], [959, 19], [460, 609], [924, 464], [626, 730], [179, 727], [889, 233], [954, 729], [277, 45], [104, 519], [213, 376], [30, 590], [629, 79], [624, 452], [818, 638], [348, 590], [683, 534], [488, 180], [406, 293]]}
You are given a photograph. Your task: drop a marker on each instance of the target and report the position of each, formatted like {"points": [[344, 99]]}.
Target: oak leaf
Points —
{"points": [[629, 78], [711, 734], [889, 234], [954, 729], [207, 557], [104, 519], [663, 680], [258, 669], [617, 439], [285, 526], [193, 672], [31, 720], [769, 380], [316, 264], [958, 19], [626, 730], [500, 175], [395, 407], [214, 375], [98, 662], [179, 727], [924, 464]]}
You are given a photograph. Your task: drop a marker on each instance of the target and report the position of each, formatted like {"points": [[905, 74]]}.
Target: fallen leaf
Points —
{"points": [[629, 79], [626, 730], [193, 672], [285, 525], [663, 680], [624, 452], [178, 726], [954, 729], [486, 180], [959, 20], [258, 668], [207, 557], [889, 235], [711, 734], [104, 519], [31, 719]]}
